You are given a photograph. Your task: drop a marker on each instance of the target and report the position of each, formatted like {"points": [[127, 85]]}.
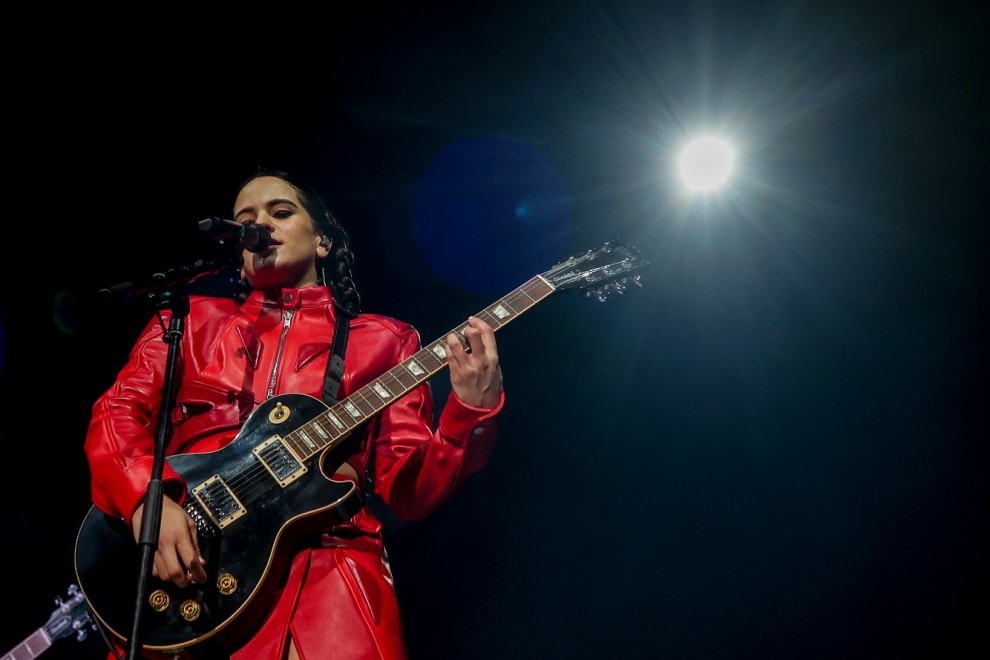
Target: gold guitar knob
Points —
{"points": [[189, 610], [226, 584], [159, 600]]}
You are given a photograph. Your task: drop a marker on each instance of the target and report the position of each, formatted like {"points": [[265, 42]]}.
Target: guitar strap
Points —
{"points": [[335, 366], [335, 373]]}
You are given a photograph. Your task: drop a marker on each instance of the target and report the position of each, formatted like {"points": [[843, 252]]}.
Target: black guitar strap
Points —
{"points": [[335, 366], [335, 374]]}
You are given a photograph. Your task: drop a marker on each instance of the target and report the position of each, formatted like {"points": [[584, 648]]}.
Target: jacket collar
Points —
{"points": [[310, 296]]}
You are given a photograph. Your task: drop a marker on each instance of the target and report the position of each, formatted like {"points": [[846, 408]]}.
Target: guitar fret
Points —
{"points": [[527, 299], [365, 400], [536, 285], [430, 360], [307, 439], [33, 646], [498, 315], [414, 368], [292, 442], [368, 396], [490, 319], [522, 301], [320, 431], [523, 296], [502, 311], [345, 416], [353, 410], [439, 351], [336, 421], [398, 386], [381, 390]]}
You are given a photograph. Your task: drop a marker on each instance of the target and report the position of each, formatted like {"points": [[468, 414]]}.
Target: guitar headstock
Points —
{"points": [[71, 616], [599, 273]]}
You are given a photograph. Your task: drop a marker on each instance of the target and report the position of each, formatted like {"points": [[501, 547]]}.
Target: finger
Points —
{"points": [[170, 567], [457, 346], [192, 567], [192, 562], [194, 539], [180, 573], [196, 574], [482, 336], [474, 340], [189, 572]]}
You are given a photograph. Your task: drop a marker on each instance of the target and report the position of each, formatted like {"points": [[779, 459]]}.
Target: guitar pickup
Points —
{"points": [[218, 501], [280, 461]]}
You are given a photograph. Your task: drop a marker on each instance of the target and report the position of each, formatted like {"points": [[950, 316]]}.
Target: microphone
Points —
{"points": [[248, 236]]}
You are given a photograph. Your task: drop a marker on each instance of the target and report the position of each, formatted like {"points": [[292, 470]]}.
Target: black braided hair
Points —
{"points": [[334, 270]]}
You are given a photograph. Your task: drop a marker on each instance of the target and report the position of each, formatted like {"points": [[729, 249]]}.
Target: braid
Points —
{"points": [[341, 279]]}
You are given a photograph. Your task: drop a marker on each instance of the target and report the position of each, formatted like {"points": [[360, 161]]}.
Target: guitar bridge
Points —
{"points": [[218, 501]]}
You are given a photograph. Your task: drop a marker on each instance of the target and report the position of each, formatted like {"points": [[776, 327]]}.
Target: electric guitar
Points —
{"points": [[257, 496], [71, 617]]}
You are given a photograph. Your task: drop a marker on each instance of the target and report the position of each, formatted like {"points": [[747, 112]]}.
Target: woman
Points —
{"points": [[275, 338]]}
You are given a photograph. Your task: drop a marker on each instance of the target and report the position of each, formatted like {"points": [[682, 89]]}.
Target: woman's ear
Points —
{"points": [[325, 243]]}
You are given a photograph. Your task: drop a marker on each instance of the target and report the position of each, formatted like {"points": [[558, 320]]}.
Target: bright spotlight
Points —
{"points": [[706, 163]]}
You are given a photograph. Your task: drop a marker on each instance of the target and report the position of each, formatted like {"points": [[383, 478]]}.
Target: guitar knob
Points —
{"points": [[159, 600], [226, 584], [190, 610]]}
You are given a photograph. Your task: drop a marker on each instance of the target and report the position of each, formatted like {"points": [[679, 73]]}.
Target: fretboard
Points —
{"points": [[339, 420], [31, 647]]}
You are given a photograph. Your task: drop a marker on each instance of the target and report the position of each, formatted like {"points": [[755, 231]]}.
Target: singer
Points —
{"points": [[293, 327]]}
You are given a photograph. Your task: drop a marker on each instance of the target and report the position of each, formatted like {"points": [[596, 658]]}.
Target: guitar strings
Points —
{"points": [[246, 481]]}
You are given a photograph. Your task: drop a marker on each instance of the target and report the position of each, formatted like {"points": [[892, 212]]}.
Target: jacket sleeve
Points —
{"points": [[120, 440], [418, 468]]}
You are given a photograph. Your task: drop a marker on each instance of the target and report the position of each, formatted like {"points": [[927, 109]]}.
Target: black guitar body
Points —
{"points": [[253, 501]]}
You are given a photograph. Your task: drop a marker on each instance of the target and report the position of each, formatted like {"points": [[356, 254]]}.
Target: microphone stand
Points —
{"points": [[166, 290]]}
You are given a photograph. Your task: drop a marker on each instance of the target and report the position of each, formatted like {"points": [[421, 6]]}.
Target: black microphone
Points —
{"points": [[248, 236]]}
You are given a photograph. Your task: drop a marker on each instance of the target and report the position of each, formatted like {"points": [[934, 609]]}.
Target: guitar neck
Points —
{"points": [[71, 617], [32, 647], [343, 417]]}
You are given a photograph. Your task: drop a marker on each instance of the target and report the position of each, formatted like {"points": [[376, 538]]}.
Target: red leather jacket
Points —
{"points": [[234, 356]]}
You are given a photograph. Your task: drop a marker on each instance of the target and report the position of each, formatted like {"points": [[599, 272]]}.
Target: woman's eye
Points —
{"points": [[282, 214]]}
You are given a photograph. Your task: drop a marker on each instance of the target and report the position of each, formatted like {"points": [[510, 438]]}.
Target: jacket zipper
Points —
{"points": [[286, 322]]}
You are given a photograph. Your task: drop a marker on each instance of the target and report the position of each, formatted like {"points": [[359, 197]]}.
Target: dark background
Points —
{"points": [[775, 449]]}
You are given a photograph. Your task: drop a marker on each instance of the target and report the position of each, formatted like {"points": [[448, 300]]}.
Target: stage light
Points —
{"points": [[706, 163]]}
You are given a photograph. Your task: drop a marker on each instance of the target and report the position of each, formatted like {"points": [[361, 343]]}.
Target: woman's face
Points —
{"points": [[290, 260]]}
